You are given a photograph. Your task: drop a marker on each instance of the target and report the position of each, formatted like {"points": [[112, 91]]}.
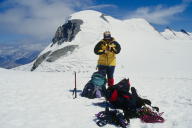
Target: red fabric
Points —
{"points": [[110, 81], [129, 85], [126, 96], [114, 96]]}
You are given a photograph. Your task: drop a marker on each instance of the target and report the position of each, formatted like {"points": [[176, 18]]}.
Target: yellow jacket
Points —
{"points": [[108, 59]]}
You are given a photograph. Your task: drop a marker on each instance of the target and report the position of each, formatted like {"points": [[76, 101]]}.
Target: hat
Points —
{"points": [[107, 34]]}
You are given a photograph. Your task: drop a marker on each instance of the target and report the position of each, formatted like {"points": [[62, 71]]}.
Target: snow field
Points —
{"points": [[42, 99]]}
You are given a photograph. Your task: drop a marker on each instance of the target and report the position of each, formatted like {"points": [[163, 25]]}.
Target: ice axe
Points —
{"points": [[75, 89]]}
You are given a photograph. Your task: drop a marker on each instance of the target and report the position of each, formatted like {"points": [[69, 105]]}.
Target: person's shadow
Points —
{"points": [[104, 104], [79, 91]]}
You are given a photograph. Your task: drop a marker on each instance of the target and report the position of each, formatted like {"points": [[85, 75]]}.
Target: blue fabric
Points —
{"points": [[97, 93], [108, 69], [107, 36], [98, 80], [90, 89], [93, 88], [110, 117]]}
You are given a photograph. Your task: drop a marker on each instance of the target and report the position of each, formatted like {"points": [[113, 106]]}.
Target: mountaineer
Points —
{"points": [[107, 48]]}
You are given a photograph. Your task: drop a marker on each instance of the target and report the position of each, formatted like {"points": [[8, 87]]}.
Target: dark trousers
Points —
{"points": [[109, 70]]}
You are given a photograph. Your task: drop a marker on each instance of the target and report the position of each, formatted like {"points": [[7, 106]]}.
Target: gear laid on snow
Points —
{"points": [[111, 116], [119, 97], [131, 104], [93, 89], [146, 115]]}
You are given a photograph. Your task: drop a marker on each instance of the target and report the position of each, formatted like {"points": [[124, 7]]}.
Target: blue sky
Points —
{"points": [[176, 14], [34, 22]]}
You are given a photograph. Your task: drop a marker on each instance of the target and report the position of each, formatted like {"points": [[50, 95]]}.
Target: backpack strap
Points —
{"points": [[97, 87]]}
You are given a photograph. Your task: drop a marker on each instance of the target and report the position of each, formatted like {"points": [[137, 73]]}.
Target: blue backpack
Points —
{"points": [[93, 89]]}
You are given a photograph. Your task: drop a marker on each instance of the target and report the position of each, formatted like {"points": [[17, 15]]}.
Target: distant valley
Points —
{"points": [[17, 58]]}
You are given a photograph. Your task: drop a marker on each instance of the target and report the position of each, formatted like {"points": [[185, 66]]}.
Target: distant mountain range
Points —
{"points": [[17, 59], [170, 34]]}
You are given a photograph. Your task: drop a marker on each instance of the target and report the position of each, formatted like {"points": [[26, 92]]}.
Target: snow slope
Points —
{"points": [[159, 69]]}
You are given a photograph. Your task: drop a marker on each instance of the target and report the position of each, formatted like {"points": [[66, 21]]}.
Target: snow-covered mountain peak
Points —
{"points": [[170, 29], [72, 46], [87, 14]]}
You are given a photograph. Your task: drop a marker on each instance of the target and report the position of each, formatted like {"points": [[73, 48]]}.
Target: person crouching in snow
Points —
{"points": [[107, 48]]}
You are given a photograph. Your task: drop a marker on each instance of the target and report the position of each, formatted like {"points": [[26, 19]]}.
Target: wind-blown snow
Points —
{"points": [[159, 69]]}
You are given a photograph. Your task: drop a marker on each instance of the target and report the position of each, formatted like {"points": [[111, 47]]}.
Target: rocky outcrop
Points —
{"points": [[67, 32], [40, 60], [61, 52], [103, 17], [171, 30], [183, 31], [155, 28], [64, 33]]}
